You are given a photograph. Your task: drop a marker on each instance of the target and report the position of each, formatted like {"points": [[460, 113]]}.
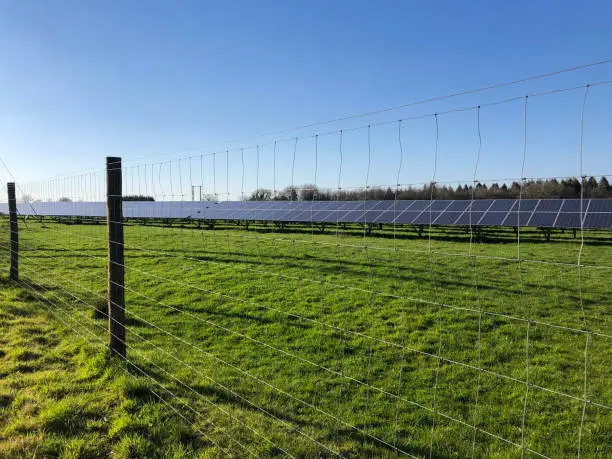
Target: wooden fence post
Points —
{"points": [[114, 222], [13, 228]]}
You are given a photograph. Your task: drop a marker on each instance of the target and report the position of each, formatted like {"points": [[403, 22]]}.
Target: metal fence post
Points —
{"points": [[116, 292], [13, 228]]}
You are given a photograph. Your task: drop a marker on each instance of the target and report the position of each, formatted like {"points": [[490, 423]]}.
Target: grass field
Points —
{"points": [[268, 342]]}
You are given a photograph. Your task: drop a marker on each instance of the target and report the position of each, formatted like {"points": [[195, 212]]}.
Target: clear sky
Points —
{"points": [[154, 81]]}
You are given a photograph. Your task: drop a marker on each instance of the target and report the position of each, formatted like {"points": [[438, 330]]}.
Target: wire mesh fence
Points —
{"points": [[340, 337]]}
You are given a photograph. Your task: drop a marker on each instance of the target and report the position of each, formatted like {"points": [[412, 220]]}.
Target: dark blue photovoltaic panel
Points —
{"points": [[525, 205], [350, 205], [419, 205], [407, 216], [493, 218], [598, 220], [384, 205], [448, 217], [277, 204], [464, 218], [306, 216], [544, 219], [264, 215], [277, 214], [572, 205], [549, 205], [299, 205], [329, 216], [481, 205], [289, 215], [367, 205], [404, 205], [322, 215], [325, 205], [241, 215], [439, 205], [291, 205], [372, 215], [426, 218], [513, 218], [600, 205], [386, 217], [350, 216], [558, 213], [501, 205], [568, 220], [297, 216], [459, 206]]}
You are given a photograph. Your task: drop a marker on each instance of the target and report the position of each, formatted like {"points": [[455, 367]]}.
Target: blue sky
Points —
{"points": [[158, 81]]}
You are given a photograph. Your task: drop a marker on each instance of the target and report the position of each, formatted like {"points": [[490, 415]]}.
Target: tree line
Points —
{"points": [[568, 188], [532, 189]]}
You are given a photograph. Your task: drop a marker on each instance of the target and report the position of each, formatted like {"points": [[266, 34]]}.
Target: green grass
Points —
{"points": [[60, 396], [268, 341]]}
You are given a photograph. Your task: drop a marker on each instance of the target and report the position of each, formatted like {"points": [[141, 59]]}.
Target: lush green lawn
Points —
{"points": [[61, 397], [272, 341]]}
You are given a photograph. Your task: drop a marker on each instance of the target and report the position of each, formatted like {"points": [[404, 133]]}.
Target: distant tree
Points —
{"points": [[64, 199], [570, 187], [308, 192], [389, 194], [210, 197], [138, 197], [261, 195], [288, 194], [25, 198]]}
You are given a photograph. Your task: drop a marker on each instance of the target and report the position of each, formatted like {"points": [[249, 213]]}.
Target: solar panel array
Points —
{"points": [[546, 213]]}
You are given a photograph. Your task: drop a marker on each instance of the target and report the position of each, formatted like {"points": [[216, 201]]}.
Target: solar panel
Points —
{"points": [[501, 205], [525, 205], [568, 220], [426, 217], [513, 218], [386, 217], [493, 218], [548, 213], [407, 217], [350, 205], [459, 206], [404, 205], [571, 205], [324, 216], [598, 220], [549, 205], [302, 216], [325, 205], [419, 205], [440, 205], [464, 218], [351, 216], [385, 205], [543, 219], [481, 205], [371, 216], [303, 205], [447, 218], [600, 205]]}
